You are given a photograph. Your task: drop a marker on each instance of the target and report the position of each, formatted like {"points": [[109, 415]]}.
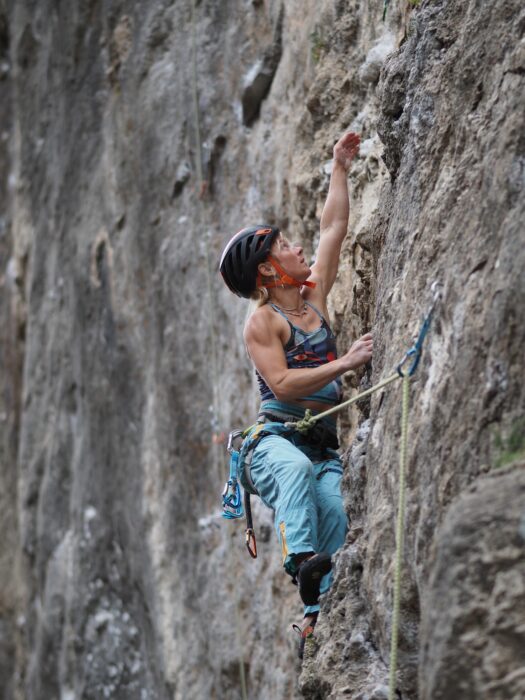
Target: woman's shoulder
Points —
{"points": [[262, 320]]}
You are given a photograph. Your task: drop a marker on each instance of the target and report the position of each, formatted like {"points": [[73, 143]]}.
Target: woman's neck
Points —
{"points": [[288, 298]]}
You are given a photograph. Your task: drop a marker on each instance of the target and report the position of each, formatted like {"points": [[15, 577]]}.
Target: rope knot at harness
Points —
{"points": [[305, 424]]}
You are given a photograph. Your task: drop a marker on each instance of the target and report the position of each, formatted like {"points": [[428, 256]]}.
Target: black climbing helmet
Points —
{"points": [[241, 257]]}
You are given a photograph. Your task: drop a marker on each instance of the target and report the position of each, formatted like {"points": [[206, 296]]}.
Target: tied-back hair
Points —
{"points": [[260, 296]]}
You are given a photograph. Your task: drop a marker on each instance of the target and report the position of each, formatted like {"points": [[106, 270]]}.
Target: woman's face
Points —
{"points": [[290, 256]]}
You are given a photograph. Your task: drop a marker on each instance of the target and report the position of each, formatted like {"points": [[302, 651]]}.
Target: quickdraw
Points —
{"points": [[231, 495]]}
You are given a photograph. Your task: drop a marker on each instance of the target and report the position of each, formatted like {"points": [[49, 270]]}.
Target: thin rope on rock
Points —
{"points": [[400, 529]]}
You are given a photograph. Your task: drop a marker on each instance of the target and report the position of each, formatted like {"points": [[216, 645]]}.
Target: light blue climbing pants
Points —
{"points": [[301, 484]]}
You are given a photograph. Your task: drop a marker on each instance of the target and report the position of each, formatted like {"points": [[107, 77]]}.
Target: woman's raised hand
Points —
{"points": [[360, 352], [346, 149]]}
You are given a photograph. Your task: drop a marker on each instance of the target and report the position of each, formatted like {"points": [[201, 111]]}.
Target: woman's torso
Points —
{"points": [[308, 349]]}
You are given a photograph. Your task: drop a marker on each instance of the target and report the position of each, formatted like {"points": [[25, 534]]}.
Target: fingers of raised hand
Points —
{"points": [[351, 144], [350, 139], [348, 145]]}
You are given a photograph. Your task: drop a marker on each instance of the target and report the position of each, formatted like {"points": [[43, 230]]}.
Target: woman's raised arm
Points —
{"points": [[334, 219]]}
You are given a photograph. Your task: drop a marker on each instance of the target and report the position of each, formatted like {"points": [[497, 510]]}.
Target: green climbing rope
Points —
{"points": [[399, 537]]}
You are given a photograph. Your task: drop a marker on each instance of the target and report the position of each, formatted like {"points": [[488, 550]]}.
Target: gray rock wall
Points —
{"points": [[138, 139], [452, 123]]}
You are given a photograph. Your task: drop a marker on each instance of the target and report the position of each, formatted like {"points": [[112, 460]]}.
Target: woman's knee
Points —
{"points": [[334, 514]]}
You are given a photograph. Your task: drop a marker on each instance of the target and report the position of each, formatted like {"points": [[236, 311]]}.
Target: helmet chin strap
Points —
{"points": [[284, 278]]}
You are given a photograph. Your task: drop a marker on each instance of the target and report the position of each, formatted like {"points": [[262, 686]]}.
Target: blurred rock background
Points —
{"points": [[135, 139]]}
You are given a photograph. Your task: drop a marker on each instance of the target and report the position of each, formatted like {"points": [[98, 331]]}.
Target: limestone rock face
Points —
{"points": [[452, 214], [472, 619], [135, 140]]}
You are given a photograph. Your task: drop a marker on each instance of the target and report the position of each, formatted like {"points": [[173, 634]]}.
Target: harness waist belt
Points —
{"points": [[322, 434]]}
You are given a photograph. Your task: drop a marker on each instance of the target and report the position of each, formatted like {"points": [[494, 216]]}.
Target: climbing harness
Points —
{"points": [[240, 462]]}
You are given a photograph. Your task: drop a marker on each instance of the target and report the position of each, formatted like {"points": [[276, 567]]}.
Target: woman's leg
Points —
{"points": [[283, 475], [332, 520]]}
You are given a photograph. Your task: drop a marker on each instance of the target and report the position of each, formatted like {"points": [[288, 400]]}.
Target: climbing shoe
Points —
{"points": [[309, 576], [306, 634]]}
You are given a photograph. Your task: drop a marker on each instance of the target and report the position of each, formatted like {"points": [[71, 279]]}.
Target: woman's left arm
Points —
{"points": [[334, 219]]}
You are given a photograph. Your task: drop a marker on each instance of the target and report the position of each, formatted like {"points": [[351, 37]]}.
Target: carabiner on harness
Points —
{"points": [[231, 495], [251, 542]]}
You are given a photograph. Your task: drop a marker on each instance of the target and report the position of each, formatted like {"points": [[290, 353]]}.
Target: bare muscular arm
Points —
{"points": [[334, 219]]}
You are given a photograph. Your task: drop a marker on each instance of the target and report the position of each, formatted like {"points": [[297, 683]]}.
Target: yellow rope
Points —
{"points": [[399, 538]]}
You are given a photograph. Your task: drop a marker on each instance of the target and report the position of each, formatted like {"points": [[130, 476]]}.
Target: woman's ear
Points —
{"points": [[266, 269]]}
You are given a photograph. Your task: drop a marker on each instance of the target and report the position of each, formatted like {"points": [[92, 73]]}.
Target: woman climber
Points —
{"points": [[291, 344]]}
